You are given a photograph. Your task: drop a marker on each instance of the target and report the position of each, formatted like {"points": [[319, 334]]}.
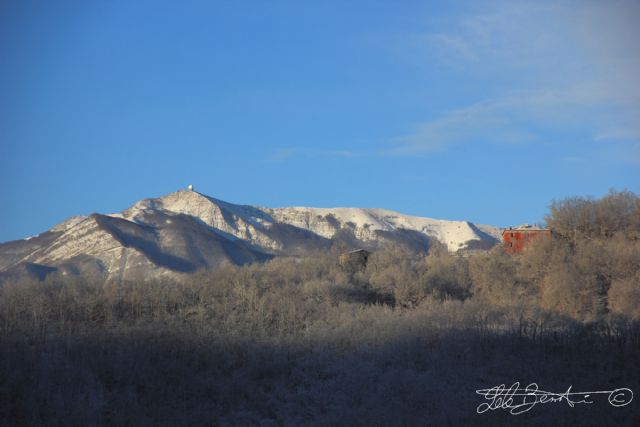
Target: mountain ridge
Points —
{"points": [[186, 231]]}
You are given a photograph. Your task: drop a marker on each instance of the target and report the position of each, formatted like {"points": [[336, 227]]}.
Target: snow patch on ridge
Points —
{"points": [[365, 221]]}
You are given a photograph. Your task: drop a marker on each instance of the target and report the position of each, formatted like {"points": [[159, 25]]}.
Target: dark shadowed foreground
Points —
{"points": [[405, 341], [247, 348], [151, 377]]}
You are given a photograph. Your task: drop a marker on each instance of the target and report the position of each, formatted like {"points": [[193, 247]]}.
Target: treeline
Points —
{"points": [[304, 341], [585, 217]]}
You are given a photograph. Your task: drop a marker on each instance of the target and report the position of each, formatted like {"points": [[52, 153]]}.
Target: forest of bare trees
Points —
{"points": [[303, 341]]}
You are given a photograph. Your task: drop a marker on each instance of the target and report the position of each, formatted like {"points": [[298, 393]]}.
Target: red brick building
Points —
{"points": [[515, 239]]}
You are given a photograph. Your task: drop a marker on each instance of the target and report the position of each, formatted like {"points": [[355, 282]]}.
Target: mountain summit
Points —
{"points": [[186, 231]]}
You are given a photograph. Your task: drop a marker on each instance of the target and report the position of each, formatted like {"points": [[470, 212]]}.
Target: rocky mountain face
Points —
{"points": [[186, 231]]}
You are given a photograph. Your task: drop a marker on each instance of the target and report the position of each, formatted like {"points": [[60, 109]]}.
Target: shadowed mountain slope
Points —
{"points": [[186, 231]]}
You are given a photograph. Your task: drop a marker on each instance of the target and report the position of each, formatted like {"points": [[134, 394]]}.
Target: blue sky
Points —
{"points": [[484, 111]]}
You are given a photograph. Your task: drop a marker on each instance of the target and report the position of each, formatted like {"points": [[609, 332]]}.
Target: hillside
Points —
{"points": [[186, 231]]}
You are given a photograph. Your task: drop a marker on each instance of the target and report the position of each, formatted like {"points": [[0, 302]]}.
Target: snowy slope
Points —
{"points": [[252, 223], [186, 231], [364, 222]]}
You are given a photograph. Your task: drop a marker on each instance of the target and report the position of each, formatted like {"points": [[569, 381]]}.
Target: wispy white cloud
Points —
{"points": [[627, 133], [453, 127], [551, 68], [570, 64], [281, 154], [511, 119], [506, 35]]}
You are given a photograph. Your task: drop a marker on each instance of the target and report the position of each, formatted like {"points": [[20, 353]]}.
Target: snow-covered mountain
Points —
{"points": [[186, 231]]}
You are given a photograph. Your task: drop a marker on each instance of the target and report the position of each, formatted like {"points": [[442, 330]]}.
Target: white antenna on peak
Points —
{"points": [[190, 187]]}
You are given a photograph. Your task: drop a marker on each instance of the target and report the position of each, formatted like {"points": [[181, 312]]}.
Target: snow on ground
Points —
{"points": [[454, 234], [245, 221]]}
